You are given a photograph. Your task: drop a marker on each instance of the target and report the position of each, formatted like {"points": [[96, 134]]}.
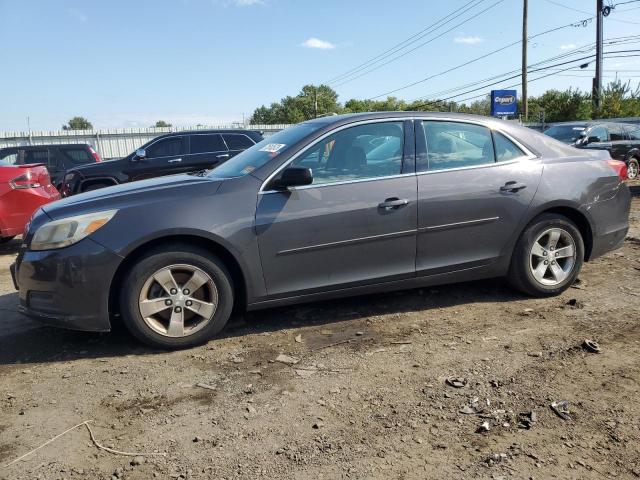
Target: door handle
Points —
{"points": [[393, 203], [224, 155], [174, 160], [512, 187]]}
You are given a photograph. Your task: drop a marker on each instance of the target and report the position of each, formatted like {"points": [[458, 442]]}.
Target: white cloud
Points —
{"points": [[468, 40], [247, 3], [568, 46], [317, 43], [78, 15]]}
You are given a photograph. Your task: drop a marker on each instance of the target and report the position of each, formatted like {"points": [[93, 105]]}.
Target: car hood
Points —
{"points": [[99, 167], [138, 193]]}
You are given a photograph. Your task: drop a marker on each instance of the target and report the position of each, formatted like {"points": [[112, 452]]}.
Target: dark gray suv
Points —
{"points": [[332, 207]]}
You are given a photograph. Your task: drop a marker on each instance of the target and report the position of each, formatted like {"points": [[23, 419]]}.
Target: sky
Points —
{"points": [[124, 63]]}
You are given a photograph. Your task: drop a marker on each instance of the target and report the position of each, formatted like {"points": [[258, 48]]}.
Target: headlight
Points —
{"points": [[67, 231]]}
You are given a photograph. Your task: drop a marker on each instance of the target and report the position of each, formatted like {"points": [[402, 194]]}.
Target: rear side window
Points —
{"points": [[505, 149], [35, 156], [616, 133], [10, 157], [237, 141], [455, 145], [78, 156], [207, 143], [165, 148], [634, 132]]}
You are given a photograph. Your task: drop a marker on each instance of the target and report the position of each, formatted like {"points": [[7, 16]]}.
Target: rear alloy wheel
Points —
{"points": [[176, 297], [548, 256], [633, 169]]}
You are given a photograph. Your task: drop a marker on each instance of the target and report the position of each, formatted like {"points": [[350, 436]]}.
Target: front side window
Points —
{"points": [[505, 149], [207, 143], [455, 145], [165, 148], [366, 151], [600, 133]]}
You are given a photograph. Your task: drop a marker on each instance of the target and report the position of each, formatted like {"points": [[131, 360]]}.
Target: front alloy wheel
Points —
{"points": [[176, 296], [178, 300]]}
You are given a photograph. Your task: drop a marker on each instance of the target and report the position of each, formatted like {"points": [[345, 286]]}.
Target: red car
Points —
{"points": [[23, 189]]}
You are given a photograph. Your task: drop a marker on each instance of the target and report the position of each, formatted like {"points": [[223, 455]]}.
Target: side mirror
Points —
{"points": [[593, 139], [141, 154], [294, 177]]}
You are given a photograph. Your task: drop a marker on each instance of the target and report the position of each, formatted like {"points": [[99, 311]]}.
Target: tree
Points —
{"points": [[619, 100], [162, 124], [312, 101], [560, 106], [78, 123]]}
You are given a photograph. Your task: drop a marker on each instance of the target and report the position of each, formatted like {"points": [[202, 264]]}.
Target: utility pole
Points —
{"points": [[597, 82], [525, 99], [315, 102]]}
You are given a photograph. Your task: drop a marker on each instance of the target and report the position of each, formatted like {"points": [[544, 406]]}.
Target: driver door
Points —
{"points": [[165, 157], [354, 225]]}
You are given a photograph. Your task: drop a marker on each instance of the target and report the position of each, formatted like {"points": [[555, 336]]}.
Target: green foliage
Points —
{"points": [[618, 100], [78, 123], [162, 124]]}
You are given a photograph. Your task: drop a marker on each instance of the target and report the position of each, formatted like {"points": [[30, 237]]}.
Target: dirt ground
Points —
{"points": [[367, 399]]}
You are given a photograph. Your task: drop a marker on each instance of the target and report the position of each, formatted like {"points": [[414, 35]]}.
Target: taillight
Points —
{"points": [[620, 168], [95, 154], [26, 180]]}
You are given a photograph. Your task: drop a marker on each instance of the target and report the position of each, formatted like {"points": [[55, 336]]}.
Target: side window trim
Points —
{"points": [[313, 144]]}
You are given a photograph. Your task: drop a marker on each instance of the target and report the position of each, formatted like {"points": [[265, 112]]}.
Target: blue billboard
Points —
{"points": [[504, 102]]}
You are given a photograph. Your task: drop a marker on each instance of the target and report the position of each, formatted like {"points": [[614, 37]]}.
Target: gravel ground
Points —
{"points": [[367, 398]]}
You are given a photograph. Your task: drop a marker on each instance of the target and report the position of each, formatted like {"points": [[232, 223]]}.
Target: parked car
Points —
{"points": [[178, 152], [621, 140], [57, 158], [23, 189], [308, 214]]}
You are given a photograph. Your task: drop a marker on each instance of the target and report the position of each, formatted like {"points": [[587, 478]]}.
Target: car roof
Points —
{"points": [[351, 117], [48, 145]]}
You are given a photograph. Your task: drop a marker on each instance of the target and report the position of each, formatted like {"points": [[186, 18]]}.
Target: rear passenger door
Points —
{"points": [[237, 142], [207, 150], [474, 188]]}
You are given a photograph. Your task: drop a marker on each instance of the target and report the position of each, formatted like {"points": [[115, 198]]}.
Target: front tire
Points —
{"points": [[175, 297], [633, 169], [6, 239], [548, 256]]}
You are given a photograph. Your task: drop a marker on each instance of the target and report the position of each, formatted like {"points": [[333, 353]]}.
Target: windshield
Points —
{"points": [[258, 155], [565, 133]]}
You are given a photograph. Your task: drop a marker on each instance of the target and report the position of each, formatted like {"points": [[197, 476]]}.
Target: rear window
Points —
{"points": [[207, 143], [237, 141], [78, 156], [35, 156]]}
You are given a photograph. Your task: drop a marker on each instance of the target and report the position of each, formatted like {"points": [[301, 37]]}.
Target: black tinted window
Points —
{"points": [[36, 156], [615, 133], [78, 156], [237, 142], [9, 157], [165, 148], [600, 133], [455, 145], [207, 143]]}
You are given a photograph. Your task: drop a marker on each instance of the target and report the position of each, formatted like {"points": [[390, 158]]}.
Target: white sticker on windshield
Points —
{"points": [[580, 129], [272, 147]]}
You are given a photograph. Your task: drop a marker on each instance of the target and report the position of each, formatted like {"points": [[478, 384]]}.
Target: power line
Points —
{"points": [[449, 70], [399, 46], [366, 72]]}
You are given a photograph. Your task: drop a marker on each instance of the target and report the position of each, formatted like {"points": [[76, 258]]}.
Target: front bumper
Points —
{"points": [[69, 287]]}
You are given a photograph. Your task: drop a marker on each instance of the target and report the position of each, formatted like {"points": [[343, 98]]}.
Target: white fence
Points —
{"points": [[112, 143]]}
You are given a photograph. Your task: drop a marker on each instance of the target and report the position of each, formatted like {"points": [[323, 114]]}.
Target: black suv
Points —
{"points": [[57, 158], [179, 152], [622, 140]]}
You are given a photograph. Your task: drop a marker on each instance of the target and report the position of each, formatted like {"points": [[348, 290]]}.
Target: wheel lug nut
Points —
{"points": [[168, 303], [188, 303], [544, 253], [186, 291], [546, 262], [173, 291], [178, 309]]}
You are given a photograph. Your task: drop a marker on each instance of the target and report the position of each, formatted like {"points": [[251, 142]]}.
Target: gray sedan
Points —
{"points": [[337, 206]]}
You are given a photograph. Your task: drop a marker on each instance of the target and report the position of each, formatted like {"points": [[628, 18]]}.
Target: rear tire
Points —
{"points": [[633, 169], [177, 296], [553, 239], [6, 239]]}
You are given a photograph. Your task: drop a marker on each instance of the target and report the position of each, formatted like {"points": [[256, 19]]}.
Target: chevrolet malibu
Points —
{"points": [[337, 206]]}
